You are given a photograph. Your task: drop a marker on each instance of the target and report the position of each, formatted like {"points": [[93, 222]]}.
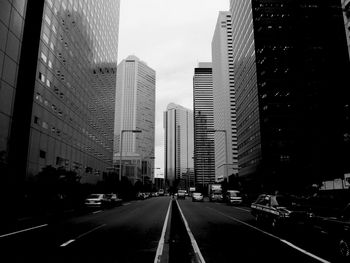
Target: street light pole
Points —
{"points": [[121, 150]]}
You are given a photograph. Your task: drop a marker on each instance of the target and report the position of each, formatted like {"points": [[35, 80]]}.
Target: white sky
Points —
{"points": [[171, 36]]}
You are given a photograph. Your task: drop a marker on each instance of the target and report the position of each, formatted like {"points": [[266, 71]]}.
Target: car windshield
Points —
{"points": [[281, 201], [234, 194], [197, 194]]}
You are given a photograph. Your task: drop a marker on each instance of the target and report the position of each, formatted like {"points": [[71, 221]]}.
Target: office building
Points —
{"points": [[290, 62], [204, 155], [135, 110], [178, 128], [12, 17], [346, 14], [60, 82], [226, 153]]}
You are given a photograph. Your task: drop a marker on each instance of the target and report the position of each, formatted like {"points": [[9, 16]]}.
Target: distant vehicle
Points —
{"points": [[277, 211], [142, 195], [197, 197], [110, 200], [215, 193], [161, 192], [95, 200], [181, 194], [233, 197], [337, 229]]}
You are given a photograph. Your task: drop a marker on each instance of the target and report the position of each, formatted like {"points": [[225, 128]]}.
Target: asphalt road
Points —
{"points": [[131, 233], [128, 233], [230, 234]]}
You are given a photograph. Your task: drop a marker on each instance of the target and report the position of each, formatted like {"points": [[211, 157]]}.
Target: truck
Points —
{"points": [[215, 192]]}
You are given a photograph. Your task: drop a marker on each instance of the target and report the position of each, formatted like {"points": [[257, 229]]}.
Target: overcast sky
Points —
{"points": [[171, 36]]}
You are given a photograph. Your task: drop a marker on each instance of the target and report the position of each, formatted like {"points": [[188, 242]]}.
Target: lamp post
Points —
{"points": [[121, 150]]}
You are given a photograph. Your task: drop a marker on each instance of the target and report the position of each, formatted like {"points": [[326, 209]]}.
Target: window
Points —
{"points": [[41, 77], [47, 19], [46, 38], [36, 119], [45, 125], [42, 154], [43, 57]]}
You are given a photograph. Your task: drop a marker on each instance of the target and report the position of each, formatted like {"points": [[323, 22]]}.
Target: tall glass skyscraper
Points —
{"points": [[224, 98], [62, 78], [290, 63], [135, 110], [204, 152], [178, 128]]}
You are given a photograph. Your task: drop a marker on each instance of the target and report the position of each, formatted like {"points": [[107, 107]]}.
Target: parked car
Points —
{"points": [[197, 197], [161, 192], [233, 197], [278, 211], [181, 194], [337, 229], [95, 200]]}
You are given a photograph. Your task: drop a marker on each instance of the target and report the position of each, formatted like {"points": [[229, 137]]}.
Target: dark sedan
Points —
{"points": [[278, 211]]}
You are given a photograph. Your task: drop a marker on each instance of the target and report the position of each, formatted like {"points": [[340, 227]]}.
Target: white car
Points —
{"points": [[95, 200], [197, 197], [233, 197]]}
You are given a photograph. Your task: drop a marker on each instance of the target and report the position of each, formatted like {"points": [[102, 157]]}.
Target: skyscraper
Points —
{"points": [[346, 13], [135, 110], [226, 153], [63, 94], [178, 128], [290, 62], [204, 156]]}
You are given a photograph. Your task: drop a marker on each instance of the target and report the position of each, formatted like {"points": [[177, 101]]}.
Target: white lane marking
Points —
{"points": [[96, 212], [127, 204], [80, 236], [161, 240], [193, 240], [67, 243], [273, 236], [24, 230]]}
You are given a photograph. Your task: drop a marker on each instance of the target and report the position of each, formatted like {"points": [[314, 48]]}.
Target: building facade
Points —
{"points": [[63, 101], [346, 13], [12, 18], [290, 62], [178, 128], [204, 151], [135, 110], [226, 153]]}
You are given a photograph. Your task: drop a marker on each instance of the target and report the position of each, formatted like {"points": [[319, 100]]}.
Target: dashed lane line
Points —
{"points": [[24, 230], [273, 236], [80, 236]]}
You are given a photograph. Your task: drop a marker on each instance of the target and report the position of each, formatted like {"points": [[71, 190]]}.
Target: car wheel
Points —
{"points": [[344, 248]]}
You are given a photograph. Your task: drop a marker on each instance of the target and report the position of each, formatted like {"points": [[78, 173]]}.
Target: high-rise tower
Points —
{"points": [[178, 127], [226, 153], [290, 62], [64, 90], [204, 159], [135, 110]]}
